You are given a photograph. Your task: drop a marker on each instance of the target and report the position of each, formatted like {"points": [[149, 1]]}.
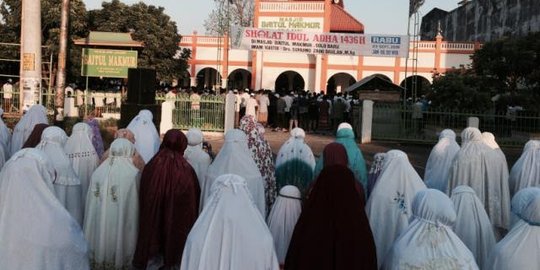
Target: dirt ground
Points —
{"points": [[418, 153]]}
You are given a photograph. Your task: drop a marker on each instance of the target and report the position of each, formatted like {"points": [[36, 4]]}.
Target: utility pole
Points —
{"points": [[61, 71], [30, 70]]}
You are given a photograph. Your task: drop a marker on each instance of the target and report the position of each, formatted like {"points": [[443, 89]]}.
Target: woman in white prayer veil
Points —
{"points": [[520, 201], [282, 219], [478, 166], [112, 209], [230, 233], [83, 155], [5, 134], [519, 248], [389, 205], [36, 231], [197, 157], [440, 159], [526, 170], [146, 136], [66, 185], [37, 114], [472, 224], [235, 157], [295, 162], [429, 242]]}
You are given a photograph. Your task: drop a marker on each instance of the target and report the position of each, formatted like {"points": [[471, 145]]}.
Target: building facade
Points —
{"points": [[483, 20], [215, 64]]}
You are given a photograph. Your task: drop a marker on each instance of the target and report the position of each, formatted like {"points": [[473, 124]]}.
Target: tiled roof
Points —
{"points": [[342, 21]]}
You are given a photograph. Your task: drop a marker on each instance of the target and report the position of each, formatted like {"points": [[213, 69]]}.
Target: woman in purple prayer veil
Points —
{"points": [[97, 140]]}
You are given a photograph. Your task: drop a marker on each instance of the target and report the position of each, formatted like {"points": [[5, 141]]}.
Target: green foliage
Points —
{"points": [[462, 90], [10, 30], [507, 70], [150, 25]]}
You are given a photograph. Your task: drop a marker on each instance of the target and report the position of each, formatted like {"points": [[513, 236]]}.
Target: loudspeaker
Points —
{"points": [[141, 86], [128, 111]]}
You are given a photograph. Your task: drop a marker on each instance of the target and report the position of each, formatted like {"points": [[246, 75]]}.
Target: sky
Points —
{"points": [[378, 16]]}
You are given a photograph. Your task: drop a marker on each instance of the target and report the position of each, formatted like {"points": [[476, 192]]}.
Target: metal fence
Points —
{"points": [[401, 123], [207, 114]]}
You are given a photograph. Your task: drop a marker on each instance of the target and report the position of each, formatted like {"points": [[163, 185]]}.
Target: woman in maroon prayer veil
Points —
{"points": [[333, 230], [335, 154], [169, 205], [35, 137]]}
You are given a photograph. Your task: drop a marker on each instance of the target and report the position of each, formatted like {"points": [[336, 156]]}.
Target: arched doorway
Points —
{"points": [[422, 86], [208, 78], [239, 79], [339, 82], [289, 81]]}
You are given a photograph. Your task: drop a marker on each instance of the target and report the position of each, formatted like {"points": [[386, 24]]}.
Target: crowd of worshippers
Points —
{"points": [[285, 110], [65, 203]]}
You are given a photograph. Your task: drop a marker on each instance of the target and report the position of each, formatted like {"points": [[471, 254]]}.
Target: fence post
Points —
{"points": [[230, 101], [367, 121], [473, 122]]}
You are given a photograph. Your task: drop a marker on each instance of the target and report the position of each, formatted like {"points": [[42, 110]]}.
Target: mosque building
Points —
{"points": [[215, 63]]}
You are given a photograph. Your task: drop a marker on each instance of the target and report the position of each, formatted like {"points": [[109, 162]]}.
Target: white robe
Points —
{"points": [[37, 114], [526, 170], [83, 155], [296, 148], [230, 233], [197, 157], [478, 166], [282, 219], [472, 224], [429, 242], [147, 139], [389, 205], [520, 201], [251, 106], [36, 231], [112, 208], [235, 157], [5, 136], [519, 249], [67, 185], [440, 159]]}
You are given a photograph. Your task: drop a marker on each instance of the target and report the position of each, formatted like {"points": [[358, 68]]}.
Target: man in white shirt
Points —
{"points": [[8, 94], [288, 101], [264, 102], [251, 106]]}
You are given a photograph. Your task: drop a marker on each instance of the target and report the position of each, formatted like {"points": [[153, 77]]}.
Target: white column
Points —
{"points": [[367, 121], [224, 83], [30, 70], [259, 79], [193, 81], [230, 101], [318, 72]]}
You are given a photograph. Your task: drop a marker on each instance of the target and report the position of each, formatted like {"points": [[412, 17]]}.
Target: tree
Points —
{"points": [[506, 71], [10, 30], [461, 89], [238, 12], [150, 25]]}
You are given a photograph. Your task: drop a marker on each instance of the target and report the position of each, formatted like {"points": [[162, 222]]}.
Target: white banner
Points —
{"points": [[320, 43]]}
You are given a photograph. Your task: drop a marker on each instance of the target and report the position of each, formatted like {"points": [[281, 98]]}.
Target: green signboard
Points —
{"points": [[107, 63]]}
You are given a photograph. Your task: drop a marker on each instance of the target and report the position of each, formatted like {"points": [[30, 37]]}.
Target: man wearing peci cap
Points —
{"points": [[251, 106]]}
